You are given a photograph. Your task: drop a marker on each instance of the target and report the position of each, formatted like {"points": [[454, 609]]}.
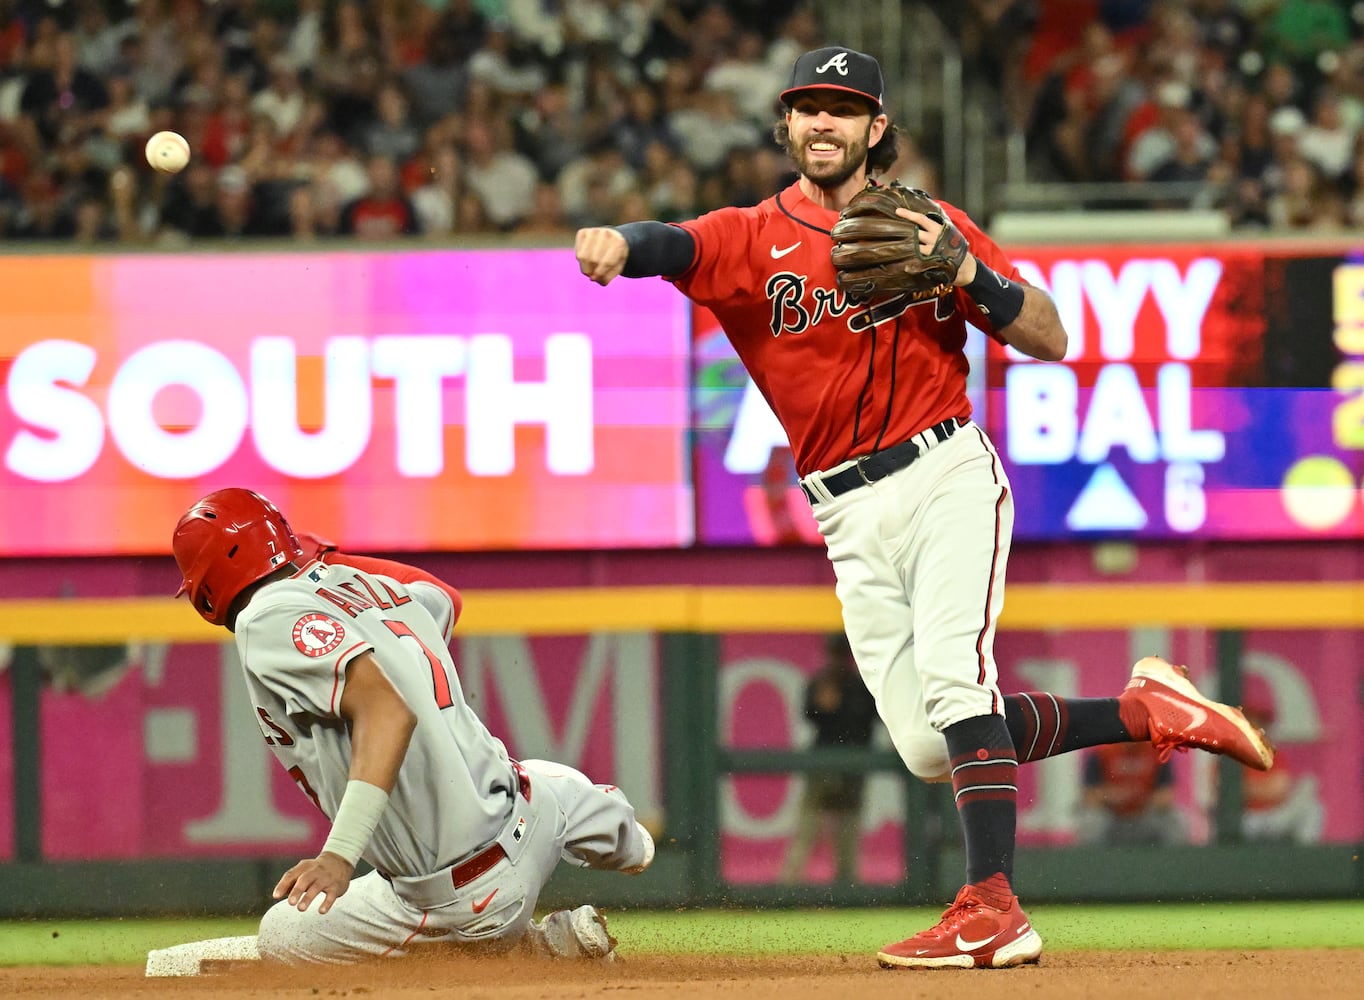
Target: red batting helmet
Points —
{"points": [[226, 542]]}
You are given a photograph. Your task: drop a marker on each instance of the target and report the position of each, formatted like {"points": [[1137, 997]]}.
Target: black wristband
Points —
{"points": [[998, 297]]}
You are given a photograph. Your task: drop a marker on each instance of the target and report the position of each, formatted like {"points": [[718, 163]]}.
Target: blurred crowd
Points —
{"points": [[386, 118], [1255, 104], [382, 119]]}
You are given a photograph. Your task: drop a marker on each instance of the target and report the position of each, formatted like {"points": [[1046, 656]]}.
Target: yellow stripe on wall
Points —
{"points": [[569, 611]]}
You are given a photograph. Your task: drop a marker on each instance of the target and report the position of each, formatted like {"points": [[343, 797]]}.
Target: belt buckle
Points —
{"points": [[858, 463]]}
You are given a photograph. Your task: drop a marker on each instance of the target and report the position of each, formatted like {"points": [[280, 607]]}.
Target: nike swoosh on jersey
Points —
{"points": [[1197, 714], [964, 945], [779, 254], [480, 907]]}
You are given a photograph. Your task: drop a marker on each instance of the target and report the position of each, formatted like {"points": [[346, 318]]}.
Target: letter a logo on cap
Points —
{"points": [[839, 61]]}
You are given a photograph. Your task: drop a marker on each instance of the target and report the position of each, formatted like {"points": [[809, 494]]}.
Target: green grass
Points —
{"points": [[1216, 926], [104, 942]]}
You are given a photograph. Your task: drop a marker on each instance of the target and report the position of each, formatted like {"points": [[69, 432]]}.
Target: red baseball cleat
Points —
{"points": [[984, 928], [1180, 717]]}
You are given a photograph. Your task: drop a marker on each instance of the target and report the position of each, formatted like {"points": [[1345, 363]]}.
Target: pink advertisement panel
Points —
{"points": [[154, 752], [425, 401], [1304, 685]]}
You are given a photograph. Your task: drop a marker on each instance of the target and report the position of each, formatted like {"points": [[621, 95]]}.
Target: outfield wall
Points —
{"points": [[646, 590], [688, 696]]}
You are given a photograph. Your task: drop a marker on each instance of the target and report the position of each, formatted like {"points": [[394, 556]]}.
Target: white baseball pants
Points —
{"points": [[920, 558], [566, 817]]}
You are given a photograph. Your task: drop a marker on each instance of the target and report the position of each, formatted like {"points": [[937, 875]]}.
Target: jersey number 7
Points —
{"points": [[439, 680]]}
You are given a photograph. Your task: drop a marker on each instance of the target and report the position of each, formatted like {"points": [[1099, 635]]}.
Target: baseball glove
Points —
{"points": [[876, 253]]}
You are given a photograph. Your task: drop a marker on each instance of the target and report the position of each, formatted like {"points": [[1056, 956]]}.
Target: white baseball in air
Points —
{"points": [[168, 152]]}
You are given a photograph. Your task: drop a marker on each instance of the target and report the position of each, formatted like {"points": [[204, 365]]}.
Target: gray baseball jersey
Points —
{"points": [[295, 639], [457, 796]]}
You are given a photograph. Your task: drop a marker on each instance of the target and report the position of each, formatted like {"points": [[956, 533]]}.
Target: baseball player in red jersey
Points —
{"points": [[347, 666], [908, 492]]}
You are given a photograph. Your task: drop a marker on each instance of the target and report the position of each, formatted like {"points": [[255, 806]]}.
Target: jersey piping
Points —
{"points": [[797, 219]]}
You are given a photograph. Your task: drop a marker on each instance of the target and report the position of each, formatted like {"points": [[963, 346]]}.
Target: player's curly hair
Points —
{"points": [[880, 157]]}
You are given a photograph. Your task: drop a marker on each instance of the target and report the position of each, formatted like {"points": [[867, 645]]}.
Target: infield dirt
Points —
{"points": [[1189, 975]]}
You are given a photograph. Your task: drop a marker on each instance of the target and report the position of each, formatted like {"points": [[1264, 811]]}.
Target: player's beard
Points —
{"points": [[829, 174]]}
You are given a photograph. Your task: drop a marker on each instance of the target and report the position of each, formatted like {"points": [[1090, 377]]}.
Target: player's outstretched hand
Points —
{"points": [[327, 875], [601, 253]]}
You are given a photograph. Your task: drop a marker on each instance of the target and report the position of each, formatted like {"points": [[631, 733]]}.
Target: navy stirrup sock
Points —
{"points": [[985, 782]]}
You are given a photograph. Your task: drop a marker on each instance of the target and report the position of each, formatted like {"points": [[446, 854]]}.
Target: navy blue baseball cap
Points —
{"points": [[837, 68]]}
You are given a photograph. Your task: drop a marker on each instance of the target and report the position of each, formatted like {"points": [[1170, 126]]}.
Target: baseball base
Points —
{"points": [[203, 958]]}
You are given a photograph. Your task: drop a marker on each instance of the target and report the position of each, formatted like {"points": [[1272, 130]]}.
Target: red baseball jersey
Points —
{"points": [[843, 380]]}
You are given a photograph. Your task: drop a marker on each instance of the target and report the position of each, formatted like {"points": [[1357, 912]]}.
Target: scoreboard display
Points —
{"points": [[401, 402], [1210, 392]]}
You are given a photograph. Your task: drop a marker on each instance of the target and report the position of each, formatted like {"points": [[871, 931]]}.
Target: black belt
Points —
{"points": [[880, 464]]}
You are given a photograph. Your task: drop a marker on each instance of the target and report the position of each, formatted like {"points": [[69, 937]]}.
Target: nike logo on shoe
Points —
{"points": [[480, 907], [779, 254], [1197, 714], [964, 945]]}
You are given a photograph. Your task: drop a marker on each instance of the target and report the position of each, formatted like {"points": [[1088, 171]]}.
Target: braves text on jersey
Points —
{"points": [[843, 379]]}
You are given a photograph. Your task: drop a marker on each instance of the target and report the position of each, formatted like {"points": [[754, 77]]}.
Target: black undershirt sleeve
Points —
{"points": [[656, 248]]}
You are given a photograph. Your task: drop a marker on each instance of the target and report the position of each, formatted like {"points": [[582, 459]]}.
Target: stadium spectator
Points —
{"points": [[1254, 140], [669, 183], [638, 125], [912, 168], [436, 201], [350, 68], [502, 179], [238, 214], [383, 212], [548, 218], [708, 126], [304, 43], [843, 714], [1284, 804], [1301, 30], [550, 132], [494, 66], [437, 83], [1327, 141], [41, 216], [392, 132], [593, 184], [190, 208], [1190, 157], [1129, 798], [1175, 123], [1305, 201], [1093, 81], [59, 96], [127, 116], [282, 100], [1224, 29], [97, 38], [751, 82]]}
